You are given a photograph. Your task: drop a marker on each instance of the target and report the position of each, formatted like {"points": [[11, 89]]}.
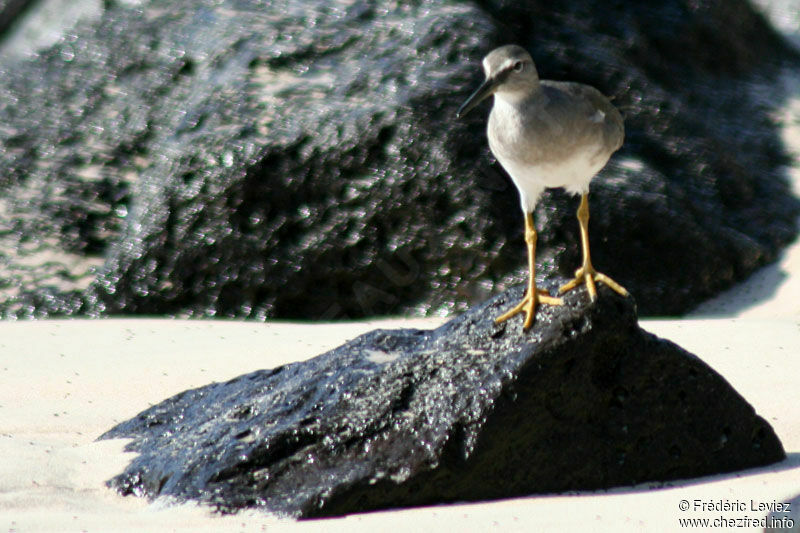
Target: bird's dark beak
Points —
{"points": [[486, 89]]}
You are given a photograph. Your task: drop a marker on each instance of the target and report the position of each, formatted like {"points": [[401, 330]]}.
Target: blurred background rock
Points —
{"points": [[299, 159]]}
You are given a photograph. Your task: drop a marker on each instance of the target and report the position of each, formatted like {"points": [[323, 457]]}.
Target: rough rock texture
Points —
{"points": [[232, 158], [469, 411]]}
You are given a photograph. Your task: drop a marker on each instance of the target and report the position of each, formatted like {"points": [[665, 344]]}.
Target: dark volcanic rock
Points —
{"points": [[232, 158], [469, 411]]}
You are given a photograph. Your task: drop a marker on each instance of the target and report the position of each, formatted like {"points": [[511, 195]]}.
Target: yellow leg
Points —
{"points": [[586, 273], [533, 295]]}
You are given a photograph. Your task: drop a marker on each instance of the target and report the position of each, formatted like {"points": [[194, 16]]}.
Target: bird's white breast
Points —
{"points": [[549, 156], [573, 174]]}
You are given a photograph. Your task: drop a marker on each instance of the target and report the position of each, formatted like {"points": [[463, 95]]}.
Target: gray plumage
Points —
{"points": [[545, 133]]}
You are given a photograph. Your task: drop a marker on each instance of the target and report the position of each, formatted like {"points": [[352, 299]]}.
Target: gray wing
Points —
{"points": [[580, 113]]}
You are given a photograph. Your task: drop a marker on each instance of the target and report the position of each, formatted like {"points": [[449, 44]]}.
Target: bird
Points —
{"points": [[547, 134]]}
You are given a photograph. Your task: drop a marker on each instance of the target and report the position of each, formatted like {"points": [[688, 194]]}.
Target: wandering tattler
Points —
{"points": [[547, 134]]}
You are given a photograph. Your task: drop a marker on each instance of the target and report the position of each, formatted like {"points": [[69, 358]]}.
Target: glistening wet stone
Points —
{"points": [[470, 411]]}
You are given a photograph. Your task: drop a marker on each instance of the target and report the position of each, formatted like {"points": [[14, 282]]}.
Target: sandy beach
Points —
{"points": [[66, 382]]}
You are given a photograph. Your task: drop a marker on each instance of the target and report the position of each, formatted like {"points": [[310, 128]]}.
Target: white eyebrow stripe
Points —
{"points": [[509, 63]]}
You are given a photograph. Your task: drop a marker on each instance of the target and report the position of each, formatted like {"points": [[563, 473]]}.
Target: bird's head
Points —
{"points": [[509, 71]]}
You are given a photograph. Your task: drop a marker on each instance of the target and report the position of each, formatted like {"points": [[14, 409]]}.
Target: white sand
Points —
{"points": [[63, 383]]}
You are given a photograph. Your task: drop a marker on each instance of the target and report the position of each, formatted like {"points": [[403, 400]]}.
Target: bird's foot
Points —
{"points": [[587, 274], [528, 306]]}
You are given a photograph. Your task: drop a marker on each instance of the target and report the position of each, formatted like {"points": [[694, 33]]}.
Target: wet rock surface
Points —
{"points": [[469, 411], [232, 158]]}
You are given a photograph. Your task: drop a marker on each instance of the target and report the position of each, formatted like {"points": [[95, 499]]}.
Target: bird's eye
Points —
{"points": [[518, 66]]}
